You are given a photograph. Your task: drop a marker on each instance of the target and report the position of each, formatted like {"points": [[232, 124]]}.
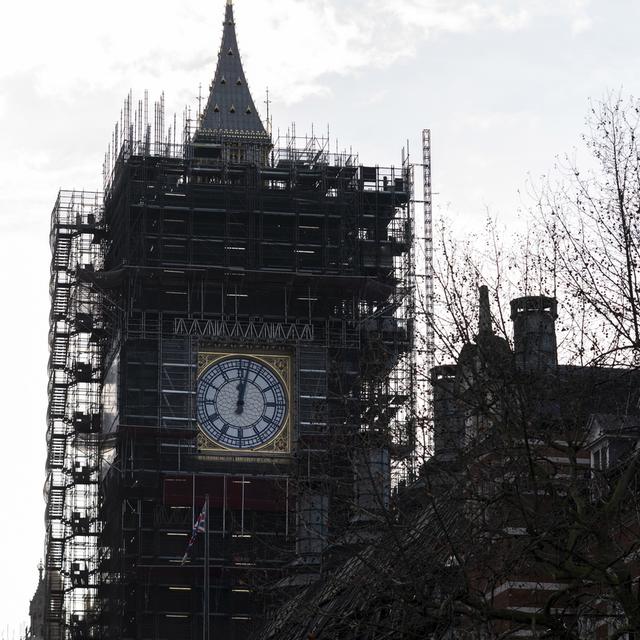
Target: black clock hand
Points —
{"points": [[241, 390]]}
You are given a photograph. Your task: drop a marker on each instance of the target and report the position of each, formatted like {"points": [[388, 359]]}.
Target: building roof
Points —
{"points": [[613, 426], [230, 108]]}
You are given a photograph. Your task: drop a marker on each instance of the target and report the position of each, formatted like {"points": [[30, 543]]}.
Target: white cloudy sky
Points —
{"points": [[503, 84]]}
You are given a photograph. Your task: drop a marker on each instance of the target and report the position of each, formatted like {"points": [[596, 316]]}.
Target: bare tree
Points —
{"points": [[588, 222], [525, 520]]}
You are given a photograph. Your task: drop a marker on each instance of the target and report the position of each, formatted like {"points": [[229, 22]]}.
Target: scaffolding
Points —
{"points": [[311, 254], [428, 247], [75, 339], [423, 351]]}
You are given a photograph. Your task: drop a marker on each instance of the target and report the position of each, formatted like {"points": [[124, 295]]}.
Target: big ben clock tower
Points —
{"points": [[232, 324]]}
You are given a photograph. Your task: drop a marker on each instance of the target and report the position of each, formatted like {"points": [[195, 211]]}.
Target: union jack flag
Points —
{"points": [[200, 526]]}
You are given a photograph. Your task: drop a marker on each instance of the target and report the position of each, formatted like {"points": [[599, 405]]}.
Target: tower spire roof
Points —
{"points": [[230, 109]]}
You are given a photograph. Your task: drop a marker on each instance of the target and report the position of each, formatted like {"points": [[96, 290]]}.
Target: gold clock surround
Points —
{"points": [[281, 365]]}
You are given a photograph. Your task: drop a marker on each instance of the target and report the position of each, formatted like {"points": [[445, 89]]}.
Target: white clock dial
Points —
{"points": [[241, 403]]}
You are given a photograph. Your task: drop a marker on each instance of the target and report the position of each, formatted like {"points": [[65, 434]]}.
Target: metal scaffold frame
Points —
{"points": [[428, 246], [71, 486], [306, 251], [275, 275], [423, 280]]}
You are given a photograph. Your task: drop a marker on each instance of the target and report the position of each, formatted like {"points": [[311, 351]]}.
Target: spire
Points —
{"points": [[230, 111], [484, 314]]}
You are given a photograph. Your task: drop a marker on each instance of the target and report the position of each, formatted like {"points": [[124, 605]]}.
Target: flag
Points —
{"points": [[200, 526]]}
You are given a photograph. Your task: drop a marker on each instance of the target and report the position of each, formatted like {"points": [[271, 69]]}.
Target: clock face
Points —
{"points": [[241, 403]]}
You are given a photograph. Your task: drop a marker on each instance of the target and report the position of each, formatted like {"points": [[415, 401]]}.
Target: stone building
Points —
{"points": [[525, 519]]}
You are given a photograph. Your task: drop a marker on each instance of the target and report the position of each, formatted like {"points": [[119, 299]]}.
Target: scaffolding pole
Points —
{"points": [[428, 246]]}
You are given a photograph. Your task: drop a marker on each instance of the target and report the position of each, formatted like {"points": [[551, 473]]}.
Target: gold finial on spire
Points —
{"points": [[229, 13]]}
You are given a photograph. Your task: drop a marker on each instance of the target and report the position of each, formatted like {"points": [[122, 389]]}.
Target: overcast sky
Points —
{"points": [[503, 84]]}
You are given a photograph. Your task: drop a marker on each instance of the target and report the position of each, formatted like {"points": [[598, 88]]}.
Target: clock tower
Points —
{"points": [[241, 325]]}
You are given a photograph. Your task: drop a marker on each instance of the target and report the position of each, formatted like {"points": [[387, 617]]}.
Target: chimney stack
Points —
{"points": [[534, 332], [448, 420]]}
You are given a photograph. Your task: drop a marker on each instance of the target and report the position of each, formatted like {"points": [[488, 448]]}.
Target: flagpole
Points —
{"points": [[207, 594]]}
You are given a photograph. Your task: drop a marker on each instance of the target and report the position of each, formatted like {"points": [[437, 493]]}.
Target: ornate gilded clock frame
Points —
{"points": [[281, 364]]}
